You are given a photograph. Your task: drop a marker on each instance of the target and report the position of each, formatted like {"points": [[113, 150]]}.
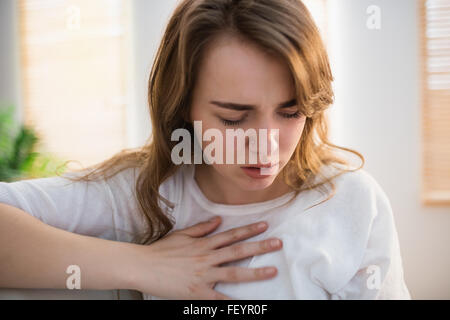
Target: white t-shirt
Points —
{"points": [[344, 248]]}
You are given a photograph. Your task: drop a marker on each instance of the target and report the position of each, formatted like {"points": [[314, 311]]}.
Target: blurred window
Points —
{"points": [[74, 75], [435, 39]]}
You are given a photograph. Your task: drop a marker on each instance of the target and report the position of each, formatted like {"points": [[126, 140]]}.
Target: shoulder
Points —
{"points": [[172, 188], [126, 180], [358, 180], [357, 188], [123, 186], [127, 220], [356, 202]]}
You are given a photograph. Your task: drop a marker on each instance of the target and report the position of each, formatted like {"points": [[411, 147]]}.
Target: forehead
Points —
{"points": [[235, 69]]}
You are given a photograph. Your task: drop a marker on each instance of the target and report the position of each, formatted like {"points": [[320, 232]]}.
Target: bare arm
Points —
{"points": [[185, 264], [36, 255]]}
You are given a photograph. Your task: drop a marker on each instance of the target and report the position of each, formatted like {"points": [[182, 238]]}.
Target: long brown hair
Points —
{"points": [[282, 27]]}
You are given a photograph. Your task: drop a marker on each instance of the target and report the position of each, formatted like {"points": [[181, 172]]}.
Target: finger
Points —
{"points": [[202, 228], [244, 250], [215, 295], [228, 237], [240, 274]]}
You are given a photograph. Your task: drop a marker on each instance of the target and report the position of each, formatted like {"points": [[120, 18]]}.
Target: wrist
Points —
{"points": [[127, 271]]}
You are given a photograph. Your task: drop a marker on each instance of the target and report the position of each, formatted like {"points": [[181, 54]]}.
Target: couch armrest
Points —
{"points": [[65, 294]]}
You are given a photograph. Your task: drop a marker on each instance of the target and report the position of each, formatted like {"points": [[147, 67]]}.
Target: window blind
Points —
{"points": [[74, 76], [435, 40]]}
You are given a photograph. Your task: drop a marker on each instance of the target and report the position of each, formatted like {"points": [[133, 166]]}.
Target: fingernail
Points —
{"points": [[261, 225], [270, 270], [275, 242], [213, 219]]}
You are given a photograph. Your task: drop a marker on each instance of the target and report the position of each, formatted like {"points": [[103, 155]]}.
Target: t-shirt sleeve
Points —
{"points": [[89, 208], [380, 274]]}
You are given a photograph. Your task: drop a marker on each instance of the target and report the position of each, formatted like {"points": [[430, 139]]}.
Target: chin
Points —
{"points": [[250, 184]]}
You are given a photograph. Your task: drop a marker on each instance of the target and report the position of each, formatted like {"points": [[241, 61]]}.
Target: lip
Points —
{"points": [[256, 171], [261, 166]]}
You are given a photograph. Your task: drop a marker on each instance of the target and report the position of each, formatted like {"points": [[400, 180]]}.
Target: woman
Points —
{"points": [[250, 65]]}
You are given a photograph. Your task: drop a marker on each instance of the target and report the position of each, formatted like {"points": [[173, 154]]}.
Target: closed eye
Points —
{"points": [[295, 115], [231, 122]]}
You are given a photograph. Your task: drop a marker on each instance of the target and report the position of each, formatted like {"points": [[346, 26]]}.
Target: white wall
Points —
{"points": [[377, 112], [9, 58], [149, 19]]}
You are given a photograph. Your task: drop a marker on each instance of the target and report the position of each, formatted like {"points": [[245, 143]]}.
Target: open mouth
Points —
{"points": [[260, 171], [260, 166]]}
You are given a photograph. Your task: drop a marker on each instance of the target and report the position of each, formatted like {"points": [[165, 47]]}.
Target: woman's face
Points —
{"points": [[239, 73]]}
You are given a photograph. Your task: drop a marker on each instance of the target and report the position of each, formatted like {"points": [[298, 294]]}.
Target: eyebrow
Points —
{"points": [[243, 107]]}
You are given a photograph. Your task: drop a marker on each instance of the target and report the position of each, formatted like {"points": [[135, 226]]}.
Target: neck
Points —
{"points": [[220, 190]]}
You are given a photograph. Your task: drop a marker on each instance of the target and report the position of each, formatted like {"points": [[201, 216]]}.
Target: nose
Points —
{"points": [[266, 148]]}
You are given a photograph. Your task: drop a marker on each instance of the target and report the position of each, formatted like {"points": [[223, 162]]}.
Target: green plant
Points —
{"points": [[18, 158]]}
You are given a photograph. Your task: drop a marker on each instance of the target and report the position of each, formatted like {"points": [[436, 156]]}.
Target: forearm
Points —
{"points": [[36, 255]]}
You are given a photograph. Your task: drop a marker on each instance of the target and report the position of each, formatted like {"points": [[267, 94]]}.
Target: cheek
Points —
{"points": [[290, 137], [206, 123]]}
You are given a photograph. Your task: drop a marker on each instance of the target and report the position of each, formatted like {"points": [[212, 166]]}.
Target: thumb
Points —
{"points": [[203, 228]]}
